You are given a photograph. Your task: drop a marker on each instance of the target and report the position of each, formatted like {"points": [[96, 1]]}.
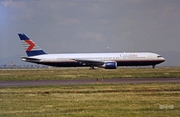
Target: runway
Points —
{"points": [[88, 81]]}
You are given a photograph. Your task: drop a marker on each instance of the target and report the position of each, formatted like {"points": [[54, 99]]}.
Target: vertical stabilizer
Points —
{"points": [[31, 48]]}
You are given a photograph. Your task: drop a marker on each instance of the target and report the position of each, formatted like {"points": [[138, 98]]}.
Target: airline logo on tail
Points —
{"points": [[31, 45], [31, 48]]}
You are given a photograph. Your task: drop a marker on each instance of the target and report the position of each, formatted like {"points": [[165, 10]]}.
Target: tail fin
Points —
{"points": [[31, 48]]}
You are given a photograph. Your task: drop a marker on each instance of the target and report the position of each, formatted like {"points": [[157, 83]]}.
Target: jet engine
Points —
{"points": [[110, 65]]}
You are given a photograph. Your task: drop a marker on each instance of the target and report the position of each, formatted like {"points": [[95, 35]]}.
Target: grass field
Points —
{"points": [[85, 73], [95, 100], [98, 100]]}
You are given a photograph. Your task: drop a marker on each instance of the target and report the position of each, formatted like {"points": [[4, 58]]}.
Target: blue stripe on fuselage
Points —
{"points": [[119, 63]]}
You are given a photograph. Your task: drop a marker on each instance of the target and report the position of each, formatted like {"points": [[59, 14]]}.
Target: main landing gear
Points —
{"points": [[153, 66], [91, 67]]}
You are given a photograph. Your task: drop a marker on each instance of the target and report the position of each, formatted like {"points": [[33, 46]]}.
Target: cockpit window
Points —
{"points": [[159, 56]]}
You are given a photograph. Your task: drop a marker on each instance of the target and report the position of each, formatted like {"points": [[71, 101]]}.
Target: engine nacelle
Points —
{"points": [[110, 65]]}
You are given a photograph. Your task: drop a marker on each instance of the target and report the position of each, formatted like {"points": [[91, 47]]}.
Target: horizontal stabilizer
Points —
{"points": [[27, 59]]}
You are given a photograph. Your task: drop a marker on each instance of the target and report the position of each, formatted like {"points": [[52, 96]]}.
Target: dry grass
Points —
{"points": [[91, 100], [83, 73]]}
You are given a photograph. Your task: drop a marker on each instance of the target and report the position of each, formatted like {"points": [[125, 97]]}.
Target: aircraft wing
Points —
{"points": [[90, 62]]}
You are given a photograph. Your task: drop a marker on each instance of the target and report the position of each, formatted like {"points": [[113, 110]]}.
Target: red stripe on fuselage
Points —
{"points": [[31, 45]]}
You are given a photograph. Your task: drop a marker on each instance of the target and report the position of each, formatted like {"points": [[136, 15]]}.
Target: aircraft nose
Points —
{"points": [[160, 58], [163, 59]]}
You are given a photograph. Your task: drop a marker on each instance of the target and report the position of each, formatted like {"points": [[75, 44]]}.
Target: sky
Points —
{"points": [[75, 26]]}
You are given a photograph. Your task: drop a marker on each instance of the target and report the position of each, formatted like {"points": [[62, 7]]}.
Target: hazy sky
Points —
{"points": [[67, 26]]}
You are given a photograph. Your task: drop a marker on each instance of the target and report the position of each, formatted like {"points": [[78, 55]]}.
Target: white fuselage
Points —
{"points": [[97, 59]]}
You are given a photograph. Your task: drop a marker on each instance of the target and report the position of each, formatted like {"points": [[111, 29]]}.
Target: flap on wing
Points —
{"points": [[28, 59], [89, 62]]}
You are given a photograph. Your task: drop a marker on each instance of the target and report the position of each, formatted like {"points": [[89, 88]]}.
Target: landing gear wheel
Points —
{"points": [[91, 67]]}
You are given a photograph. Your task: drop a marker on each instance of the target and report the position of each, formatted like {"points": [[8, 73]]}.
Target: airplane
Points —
{"points": [[102, 60]]}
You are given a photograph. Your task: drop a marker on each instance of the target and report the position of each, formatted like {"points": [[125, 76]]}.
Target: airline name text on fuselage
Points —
{"points": [[128, 56]]}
